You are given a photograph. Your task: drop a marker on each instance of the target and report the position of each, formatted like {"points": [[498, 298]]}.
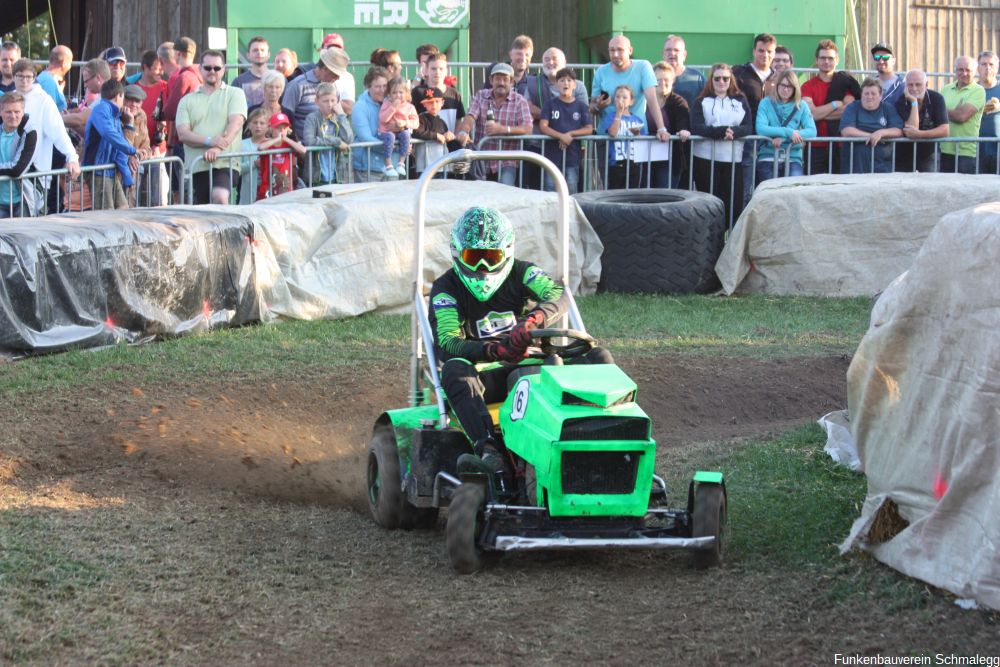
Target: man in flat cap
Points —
{"points": [[300, 94], [497, 111]]}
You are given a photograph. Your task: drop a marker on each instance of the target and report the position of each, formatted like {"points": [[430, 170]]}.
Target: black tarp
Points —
{"points": [[83, 280]]}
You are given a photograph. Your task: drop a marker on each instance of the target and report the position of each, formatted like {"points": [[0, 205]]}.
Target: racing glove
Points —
{"points": [[504, 350], [520, 335]]}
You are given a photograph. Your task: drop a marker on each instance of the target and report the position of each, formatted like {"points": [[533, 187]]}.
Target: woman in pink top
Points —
{"points": [[396, 119]]}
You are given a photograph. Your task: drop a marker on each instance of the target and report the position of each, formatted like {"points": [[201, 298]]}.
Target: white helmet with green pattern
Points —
{"points": [[482, 250]]}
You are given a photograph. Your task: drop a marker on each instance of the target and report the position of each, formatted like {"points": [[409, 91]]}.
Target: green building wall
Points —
{"points": [[713, 30], [365, 25]]}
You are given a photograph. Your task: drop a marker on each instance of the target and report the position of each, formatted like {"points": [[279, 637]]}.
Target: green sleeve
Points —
{"points": [[449, 331], [550, 295]]}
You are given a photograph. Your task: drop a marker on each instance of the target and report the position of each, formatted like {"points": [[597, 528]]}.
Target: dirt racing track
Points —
{"points": [[233, 516], [226, 522]]}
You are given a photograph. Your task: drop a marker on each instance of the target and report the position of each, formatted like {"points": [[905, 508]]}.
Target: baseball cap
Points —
{"points": [[502, 68], [134, 92], [882, 46], [115, 54], [335, 59], [428, 96], [333, 39], [279, 119]]}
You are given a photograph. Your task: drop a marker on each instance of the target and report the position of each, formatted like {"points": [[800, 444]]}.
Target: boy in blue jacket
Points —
{"points": [[105, 143]]}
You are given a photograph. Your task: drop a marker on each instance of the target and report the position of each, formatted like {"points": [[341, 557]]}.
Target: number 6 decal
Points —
{"points": [[520, 403]]}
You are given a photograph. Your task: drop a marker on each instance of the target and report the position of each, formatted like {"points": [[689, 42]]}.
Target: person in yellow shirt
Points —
{"points": [[965, 101]]}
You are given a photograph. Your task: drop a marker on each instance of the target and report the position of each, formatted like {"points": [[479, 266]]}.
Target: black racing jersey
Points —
{"points": [[461, 322]]}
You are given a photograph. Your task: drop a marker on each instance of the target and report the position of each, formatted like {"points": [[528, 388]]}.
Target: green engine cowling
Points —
{"points": [[588, 441]]}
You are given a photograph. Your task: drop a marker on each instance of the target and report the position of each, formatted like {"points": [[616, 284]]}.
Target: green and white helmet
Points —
{"points": [[482, 250]]}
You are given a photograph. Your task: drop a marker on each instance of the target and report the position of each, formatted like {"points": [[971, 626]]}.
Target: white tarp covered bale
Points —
{"points": [[846, 235], [353, 253], [924, 399]]}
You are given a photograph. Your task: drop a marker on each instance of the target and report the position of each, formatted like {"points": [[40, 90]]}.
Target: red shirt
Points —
{"points": [[277, 167], [182, 82], [817, 89], [153, 93], [822, 92]]}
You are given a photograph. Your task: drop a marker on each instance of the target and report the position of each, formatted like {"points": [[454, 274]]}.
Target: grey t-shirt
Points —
{"points": [[252, 87]]}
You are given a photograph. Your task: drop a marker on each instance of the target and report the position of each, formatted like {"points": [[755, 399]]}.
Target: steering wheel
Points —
{"points": [[579, 343]]}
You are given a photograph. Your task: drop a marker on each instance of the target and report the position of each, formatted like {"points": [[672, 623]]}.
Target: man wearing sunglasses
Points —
{"points": [[893, 85], [482, 322], [210, 123]]}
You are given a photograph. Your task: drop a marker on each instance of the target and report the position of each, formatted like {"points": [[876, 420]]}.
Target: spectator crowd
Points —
{"points": [[284, 124]]}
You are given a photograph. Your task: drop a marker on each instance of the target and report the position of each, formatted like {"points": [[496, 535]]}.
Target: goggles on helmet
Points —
{"points": [[489, 258]]}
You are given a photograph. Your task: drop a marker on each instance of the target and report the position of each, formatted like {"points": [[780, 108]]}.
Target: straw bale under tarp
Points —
{"points": [[924, 399], [847, 235], [94, 278], [358, 255]]}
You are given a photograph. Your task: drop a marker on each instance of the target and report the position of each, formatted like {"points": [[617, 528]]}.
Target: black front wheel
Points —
{"points": [[709, 518], [385, 493], [465, 516]]}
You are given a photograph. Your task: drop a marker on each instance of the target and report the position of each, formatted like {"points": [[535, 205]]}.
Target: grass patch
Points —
{"points": [[39, 579], [790, 507], [42, 572], [757, 326], [790, 504]]}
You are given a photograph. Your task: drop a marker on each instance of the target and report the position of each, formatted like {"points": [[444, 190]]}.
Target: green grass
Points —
{"points": [[791, 504], [36, 571], [790, 507], [757, 326]]}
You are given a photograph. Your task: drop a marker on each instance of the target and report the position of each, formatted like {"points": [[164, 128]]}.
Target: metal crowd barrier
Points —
{"points": [[595, 166], [251, 178], [53, 191], [153, 187]]}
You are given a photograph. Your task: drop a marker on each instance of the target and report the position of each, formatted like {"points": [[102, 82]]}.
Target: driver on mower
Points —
{"points": [[483, 312]]}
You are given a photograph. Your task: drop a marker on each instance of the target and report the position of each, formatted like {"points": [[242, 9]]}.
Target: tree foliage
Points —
{"points": [[34, 37]]}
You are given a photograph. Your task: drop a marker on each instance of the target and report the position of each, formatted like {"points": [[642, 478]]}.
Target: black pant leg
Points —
{"points": [[469, 391]]}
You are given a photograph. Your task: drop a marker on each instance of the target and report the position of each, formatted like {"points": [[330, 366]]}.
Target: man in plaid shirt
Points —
{"points": [[498, 111]]}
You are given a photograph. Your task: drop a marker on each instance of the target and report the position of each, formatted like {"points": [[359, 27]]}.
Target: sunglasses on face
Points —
{"points": [[212, 68], [881, 56], [724, 79], [489, 258]]}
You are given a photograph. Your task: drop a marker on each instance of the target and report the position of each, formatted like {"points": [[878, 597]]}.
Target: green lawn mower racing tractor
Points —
{"points": [[579, 448]]}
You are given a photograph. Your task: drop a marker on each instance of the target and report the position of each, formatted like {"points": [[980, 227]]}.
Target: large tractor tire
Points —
{"points": [[657, 240]]}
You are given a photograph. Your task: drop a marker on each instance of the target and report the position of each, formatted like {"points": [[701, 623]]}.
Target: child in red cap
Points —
{"points": [[277, 171]]}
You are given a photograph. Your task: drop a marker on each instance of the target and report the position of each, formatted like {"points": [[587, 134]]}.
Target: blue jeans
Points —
{"points": [[765, 170], [507, 175], [966, 164], [391, 141], [572, 175], [660, 176]]}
